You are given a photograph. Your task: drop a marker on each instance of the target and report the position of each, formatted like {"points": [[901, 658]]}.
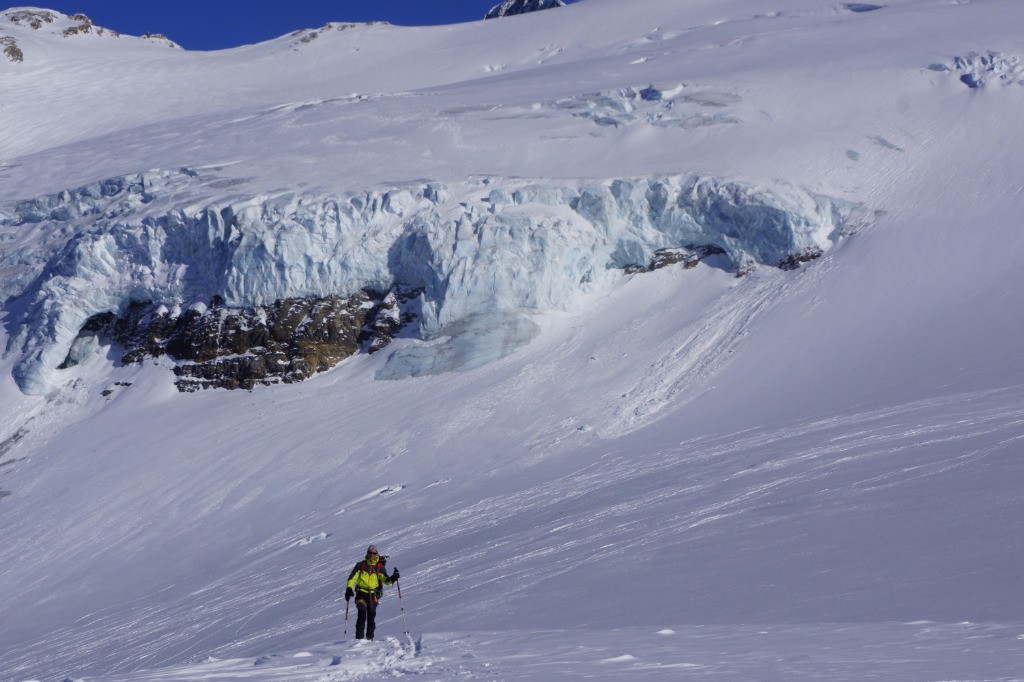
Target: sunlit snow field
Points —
{"points": [[685, 474]]}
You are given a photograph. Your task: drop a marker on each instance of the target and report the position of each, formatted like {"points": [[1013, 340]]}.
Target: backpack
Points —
{"points": [[378, 568]]}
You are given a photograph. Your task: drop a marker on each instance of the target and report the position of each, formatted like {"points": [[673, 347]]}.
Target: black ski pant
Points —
{"points": [[366, 604]]}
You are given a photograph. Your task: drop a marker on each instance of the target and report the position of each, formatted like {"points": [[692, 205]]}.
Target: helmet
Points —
{"points": [[372, 549]]}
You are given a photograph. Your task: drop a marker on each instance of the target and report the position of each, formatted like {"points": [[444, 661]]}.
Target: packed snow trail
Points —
{"points": [[840, 652]]}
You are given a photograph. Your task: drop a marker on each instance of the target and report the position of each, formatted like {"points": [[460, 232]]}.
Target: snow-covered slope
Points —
{"points": [[567, 444]]}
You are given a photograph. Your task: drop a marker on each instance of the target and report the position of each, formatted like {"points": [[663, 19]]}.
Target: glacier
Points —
{"points": [[474, 248], [608, 210]]}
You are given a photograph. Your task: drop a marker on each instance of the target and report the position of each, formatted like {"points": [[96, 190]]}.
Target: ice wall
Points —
{"points": [[475, 247]]}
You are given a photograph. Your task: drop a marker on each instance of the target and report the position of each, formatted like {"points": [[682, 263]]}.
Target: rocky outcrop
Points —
{"points": [[795, 260], [11, 49], [223, 347], [308, 35], [510, 7], [390, 317], [56, 24], [32, 18], [688, 257]]}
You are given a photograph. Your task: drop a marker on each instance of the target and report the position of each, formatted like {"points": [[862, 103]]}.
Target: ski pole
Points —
{"points": [[345, 636], [398, 586]]}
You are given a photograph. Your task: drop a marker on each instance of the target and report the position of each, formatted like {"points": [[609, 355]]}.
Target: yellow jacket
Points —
{"points": [[367, 577]]}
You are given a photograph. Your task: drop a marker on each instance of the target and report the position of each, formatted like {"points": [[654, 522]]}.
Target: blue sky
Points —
{"points": [[216, 24]]}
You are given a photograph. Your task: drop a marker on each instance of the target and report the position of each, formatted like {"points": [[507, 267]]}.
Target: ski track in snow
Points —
{"points": [[675, 478], [703, 348], [589, 517]]}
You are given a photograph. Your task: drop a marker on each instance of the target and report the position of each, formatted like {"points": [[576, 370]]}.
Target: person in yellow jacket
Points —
{"points": [[366, 583]]}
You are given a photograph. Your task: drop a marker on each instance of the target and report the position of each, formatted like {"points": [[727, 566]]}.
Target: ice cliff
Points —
{"points": [[478, 250]]}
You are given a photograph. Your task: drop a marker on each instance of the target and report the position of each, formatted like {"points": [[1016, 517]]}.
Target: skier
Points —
{"points": [[366, 583]]}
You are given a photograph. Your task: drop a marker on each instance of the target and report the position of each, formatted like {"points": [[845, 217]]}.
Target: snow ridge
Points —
{"points": [[28, 20]]}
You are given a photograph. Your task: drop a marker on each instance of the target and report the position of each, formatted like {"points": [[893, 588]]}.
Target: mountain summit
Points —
{"points": [[510, 7], [21, 26]]}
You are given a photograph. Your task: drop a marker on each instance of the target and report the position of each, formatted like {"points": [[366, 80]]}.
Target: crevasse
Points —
{"points": [[473, 247]]}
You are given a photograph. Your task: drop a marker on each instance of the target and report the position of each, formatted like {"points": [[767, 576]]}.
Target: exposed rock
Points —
{"points": [[308, 36], [390, 318], [689, 257], [160, 38], [11, 49], [222, 347], [796, 260], [511, 7], [110, 390], [32, 18], [85, 26]]}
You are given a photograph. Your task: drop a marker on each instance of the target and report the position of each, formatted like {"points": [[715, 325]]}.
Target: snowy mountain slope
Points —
{"points": [[672, 117], [834, 444], [243, 558]]}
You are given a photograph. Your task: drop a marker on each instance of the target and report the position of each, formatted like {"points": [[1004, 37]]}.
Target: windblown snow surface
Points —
{"points": [[733, 471]]}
